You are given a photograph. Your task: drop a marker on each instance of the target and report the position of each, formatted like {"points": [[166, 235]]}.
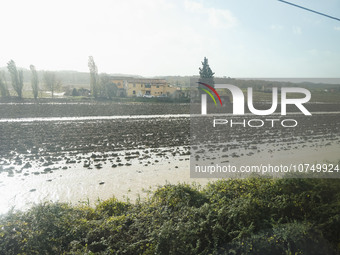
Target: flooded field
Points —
{"points": [[61, 108], [314, 140], [75, 152]]}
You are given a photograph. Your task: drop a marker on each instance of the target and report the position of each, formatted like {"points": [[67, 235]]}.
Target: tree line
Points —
{"points": [[49, 79], [101, 85]]}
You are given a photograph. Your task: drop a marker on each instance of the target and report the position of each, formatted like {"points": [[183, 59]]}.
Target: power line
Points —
{"points": [[320, 13]]}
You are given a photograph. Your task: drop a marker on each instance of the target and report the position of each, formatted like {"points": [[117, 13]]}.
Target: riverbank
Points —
{"points": [[243, 216]]}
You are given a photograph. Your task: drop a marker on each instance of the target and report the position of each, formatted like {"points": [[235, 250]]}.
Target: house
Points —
{"points": [[138, 87], [121, 83]]}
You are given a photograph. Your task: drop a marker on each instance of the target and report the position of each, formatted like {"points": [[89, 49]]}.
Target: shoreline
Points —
{"points": [[78, 184]]}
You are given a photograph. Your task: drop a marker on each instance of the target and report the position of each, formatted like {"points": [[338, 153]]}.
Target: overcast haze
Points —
{"points": [[245, 38]]}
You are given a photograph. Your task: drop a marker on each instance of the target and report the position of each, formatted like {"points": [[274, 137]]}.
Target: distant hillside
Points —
{"points": [[67, 78], [286, 82], [321, 83], [303, 82], [82, 79]]}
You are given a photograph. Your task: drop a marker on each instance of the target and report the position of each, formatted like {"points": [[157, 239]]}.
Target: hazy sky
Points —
{"points": [[244, 38]]}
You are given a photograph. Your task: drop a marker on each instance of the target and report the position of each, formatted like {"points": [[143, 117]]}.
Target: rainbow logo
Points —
{"points": [[208, 92]]}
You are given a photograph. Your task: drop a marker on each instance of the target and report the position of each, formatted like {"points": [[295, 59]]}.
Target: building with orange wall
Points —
{"points": [[138, 87]]}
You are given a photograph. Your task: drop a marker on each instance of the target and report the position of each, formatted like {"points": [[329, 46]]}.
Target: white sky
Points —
{"points": [[244, 38]]}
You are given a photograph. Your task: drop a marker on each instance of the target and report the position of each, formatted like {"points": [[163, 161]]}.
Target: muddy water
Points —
{"points": [[81, 182], [35, 119], [89, 182], [72, 159]]}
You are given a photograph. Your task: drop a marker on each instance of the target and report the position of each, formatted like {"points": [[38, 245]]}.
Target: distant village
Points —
{"points": [[140, 87]]}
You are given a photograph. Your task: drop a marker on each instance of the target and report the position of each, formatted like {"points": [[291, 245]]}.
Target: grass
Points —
{"points": [[243, 216]]}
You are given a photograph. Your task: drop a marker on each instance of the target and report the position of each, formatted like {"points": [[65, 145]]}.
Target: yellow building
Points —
{"points": [[139, 87], [121, 83]]}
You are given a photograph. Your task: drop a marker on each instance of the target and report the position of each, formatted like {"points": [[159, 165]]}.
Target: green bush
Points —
{"points": [[290, 238], [177, 196], [112, 207], [243, 216]]}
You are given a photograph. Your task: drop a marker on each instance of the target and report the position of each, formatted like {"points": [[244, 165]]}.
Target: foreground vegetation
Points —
{"points": [[248, 216]]}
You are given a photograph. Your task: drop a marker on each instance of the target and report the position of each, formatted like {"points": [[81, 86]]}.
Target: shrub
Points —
{"points": [[243, 216]]}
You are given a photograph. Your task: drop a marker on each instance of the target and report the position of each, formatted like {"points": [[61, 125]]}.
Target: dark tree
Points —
{"points": [[206, 74], [75, 92], [3, 86], [34, 81], [16, 77], [94, 84]]}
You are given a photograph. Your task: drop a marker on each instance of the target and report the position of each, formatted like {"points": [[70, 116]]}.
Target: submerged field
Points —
{"points": [[66, 151], [73, 151]]}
